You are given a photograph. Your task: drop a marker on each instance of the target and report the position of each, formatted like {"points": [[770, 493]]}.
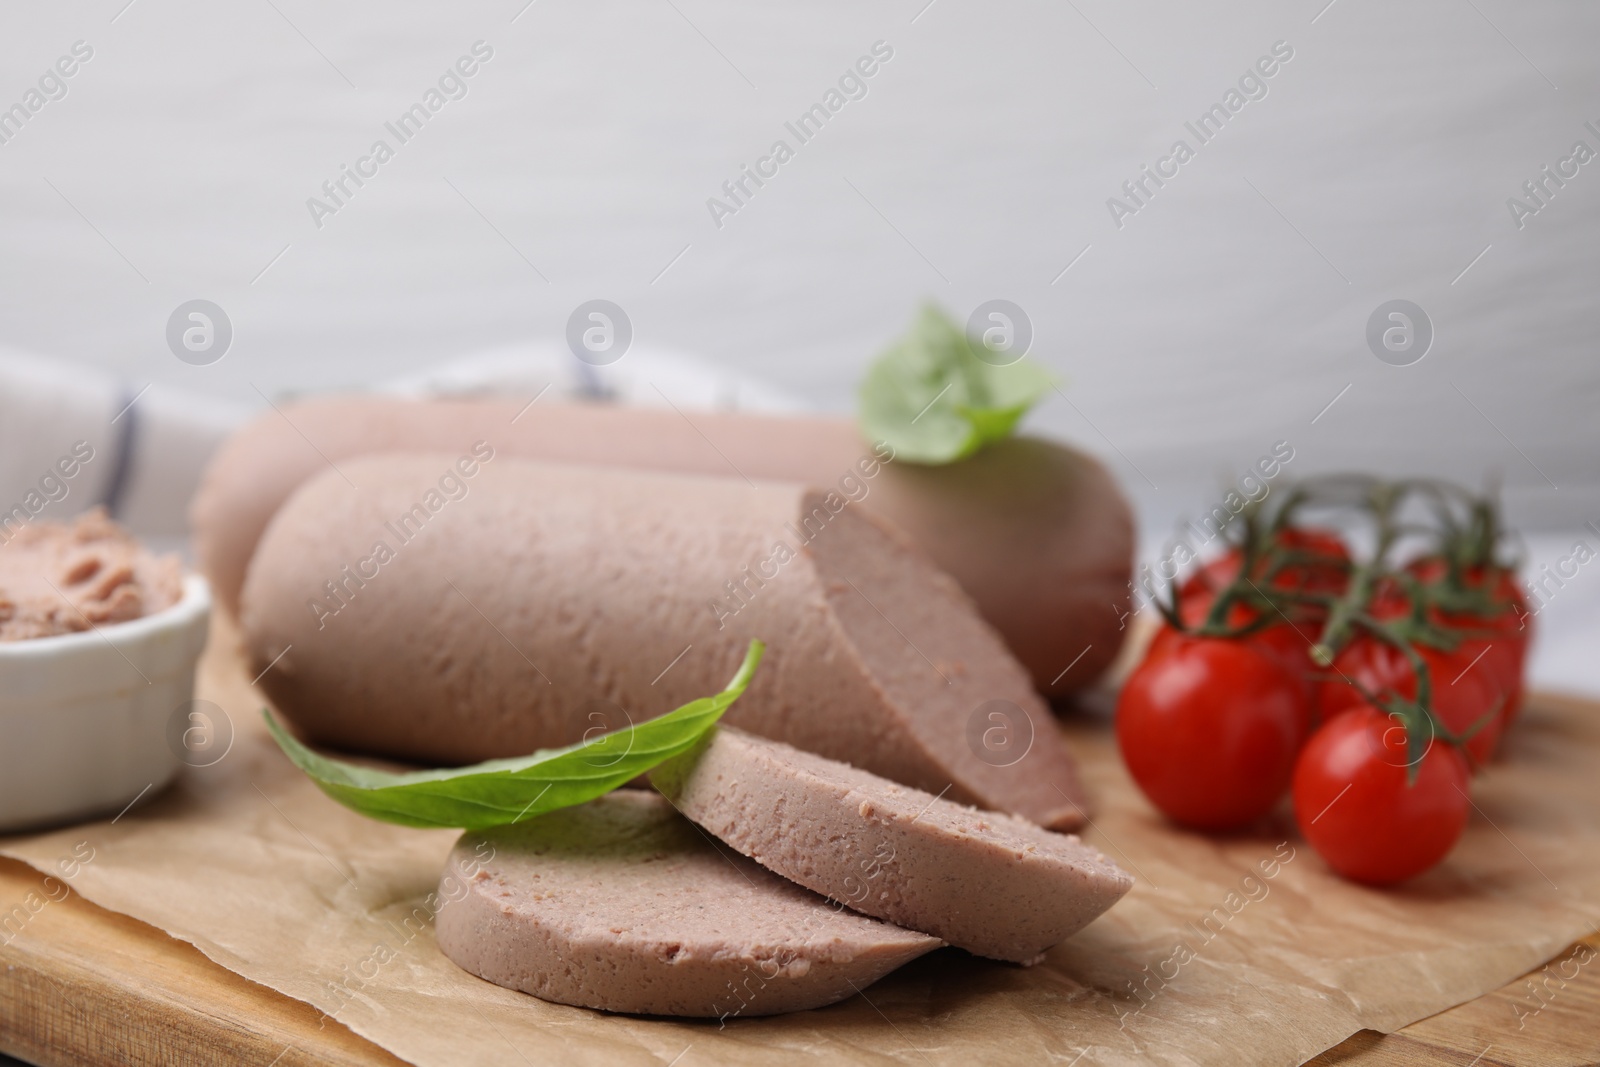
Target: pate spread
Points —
{"points": [[60, 578]]}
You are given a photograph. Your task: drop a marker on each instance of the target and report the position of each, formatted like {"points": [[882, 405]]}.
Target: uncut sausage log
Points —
{"points": [[455, 609], [1036, 533]]}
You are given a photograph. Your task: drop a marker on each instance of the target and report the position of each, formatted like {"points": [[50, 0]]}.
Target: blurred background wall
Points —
{"points": [[1207, 318]]}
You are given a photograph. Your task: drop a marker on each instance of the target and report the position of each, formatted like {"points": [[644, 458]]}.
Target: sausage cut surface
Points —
{"points": [[622, 905], [989, 883], [551, 602]]}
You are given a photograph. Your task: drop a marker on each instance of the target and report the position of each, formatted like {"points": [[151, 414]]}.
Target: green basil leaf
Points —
{"points": [[934, 400], [503, 791]]}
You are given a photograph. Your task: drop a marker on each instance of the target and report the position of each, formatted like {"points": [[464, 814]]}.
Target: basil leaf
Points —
{"points": [[503, 791], [935, 400]]}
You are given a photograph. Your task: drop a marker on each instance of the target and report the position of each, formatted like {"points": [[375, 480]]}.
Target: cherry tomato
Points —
{"points": [[1494, 658], [1498, 660], [1307, 576], [1212, 577], [1288, 643], [1353, 804], [1389, 600], [1209, 728], [1504, 646], [1501, 582], [1463, 693], [1326, 574]]}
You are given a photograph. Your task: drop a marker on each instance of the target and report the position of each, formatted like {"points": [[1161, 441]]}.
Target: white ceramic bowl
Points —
{"points": [[84, 717]]}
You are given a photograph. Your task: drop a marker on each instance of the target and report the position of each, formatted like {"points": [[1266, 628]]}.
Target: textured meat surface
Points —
{"points": [[1036, 533], [992, 884], [622, 905], [65, 577], [551, 602]]}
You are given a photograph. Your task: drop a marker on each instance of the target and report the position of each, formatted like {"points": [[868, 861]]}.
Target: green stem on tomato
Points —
{"points": [[1363, 578]]}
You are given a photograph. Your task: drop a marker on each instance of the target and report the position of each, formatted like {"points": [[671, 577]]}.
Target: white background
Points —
{"points": [[1223, 317]]}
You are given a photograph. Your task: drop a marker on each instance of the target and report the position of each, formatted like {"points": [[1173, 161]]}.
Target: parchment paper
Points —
{"points": [[1244, 950]]}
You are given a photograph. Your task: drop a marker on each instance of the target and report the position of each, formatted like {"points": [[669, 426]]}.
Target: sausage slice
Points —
{"points": [[622, 905], [992, 884]]}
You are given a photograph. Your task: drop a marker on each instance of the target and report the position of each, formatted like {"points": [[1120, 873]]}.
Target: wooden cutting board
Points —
{"points": [[84, 986]]}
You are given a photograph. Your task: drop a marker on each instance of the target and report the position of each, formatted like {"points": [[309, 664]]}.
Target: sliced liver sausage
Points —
{"points": [[1037, 534], [550, 601], [994, 885], [622, 905]]}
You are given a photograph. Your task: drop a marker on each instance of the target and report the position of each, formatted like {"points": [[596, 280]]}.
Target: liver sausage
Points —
{"points": [[622, 905], [991, 884], [1037, 534], [438, 616]]}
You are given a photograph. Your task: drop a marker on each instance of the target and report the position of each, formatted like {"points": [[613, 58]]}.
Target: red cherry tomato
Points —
{"points": [[1209, 728], [1291, 645], [1463, 693], [1290, 641], [1389, 600], [1503, 635], [1213, 576], [1326, 574], [1501, 582], [1497, 660], [1305, 576], [1353, 805], [1494, 657]]}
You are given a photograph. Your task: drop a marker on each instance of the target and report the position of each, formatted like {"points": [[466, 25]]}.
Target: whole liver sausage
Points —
{"points": [[622, 905], [548, 602], [1037, 534], [991, 884]]}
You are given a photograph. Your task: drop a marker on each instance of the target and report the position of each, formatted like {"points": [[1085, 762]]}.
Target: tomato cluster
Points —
{"points": [[1368, 690]]}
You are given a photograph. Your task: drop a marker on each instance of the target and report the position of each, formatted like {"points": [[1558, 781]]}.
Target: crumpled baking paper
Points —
{"points": [[1242, 949]]}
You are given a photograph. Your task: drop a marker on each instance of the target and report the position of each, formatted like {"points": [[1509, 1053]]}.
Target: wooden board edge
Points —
{"points": [[81, 986]]}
